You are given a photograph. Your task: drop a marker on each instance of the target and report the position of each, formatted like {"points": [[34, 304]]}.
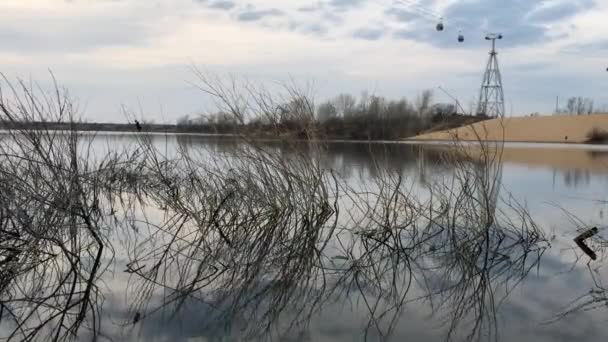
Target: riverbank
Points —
{"points": [[362, 127], [539, 129]]}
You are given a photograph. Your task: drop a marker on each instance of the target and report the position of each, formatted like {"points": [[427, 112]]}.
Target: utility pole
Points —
{"points": [[491, 96]]}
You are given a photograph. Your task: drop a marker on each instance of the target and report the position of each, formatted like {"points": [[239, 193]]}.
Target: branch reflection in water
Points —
{"points": [[261, 235]]}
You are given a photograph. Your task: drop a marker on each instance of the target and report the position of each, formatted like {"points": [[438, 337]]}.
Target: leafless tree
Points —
{"points": [[326, 111], [345, 104], [578, 106]]}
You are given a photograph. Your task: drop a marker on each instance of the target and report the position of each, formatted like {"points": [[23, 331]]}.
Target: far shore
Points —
{"points": [[545, 131], [572, 129]]}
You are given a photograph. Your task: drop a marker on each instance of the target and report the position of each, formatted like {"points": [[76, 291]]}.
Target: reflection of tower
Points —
{"points": [[575, 178], [422, 166], [489, 182], [491, 96]]}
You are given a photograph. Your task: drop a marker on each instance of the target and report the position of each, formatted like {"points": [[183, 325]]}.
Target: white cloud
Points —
{"points": [[129, 51]]}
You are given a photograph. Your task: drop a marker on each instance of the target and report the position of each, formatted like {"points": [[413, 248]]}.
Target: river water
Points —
{"points": [[559, 298]]}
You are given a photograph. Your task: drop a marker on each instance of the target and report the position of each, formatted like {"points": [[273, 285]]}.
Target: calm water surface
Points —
{"points": [[547, 179], [565, 188]]}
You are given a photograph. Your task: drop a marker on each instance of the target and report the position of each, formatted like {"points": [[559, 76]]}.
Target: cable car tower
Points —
{"points": [[491, 96]]}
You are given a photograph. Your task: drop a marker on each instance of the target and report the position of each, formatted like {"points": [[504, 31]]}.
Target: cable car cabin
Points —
{"points": [[440, 26], [460, 38]]}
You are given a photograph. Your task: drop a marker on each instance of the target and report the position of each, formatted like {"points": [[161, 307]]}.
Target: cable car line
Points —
{"points": [[417, 7], [441, 23]]}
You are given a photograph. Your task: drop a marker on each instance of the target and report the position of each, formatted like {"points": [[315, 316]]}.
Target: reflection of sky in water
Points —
{"points": [[543, 186]]}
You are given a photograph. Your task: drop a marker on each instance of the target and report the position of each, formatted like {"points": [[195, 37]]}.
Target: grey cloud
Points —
{"points": [[401, 14], [308, 9], [369, 33], [345, 4], [332, 17], [325, 10], [589, 48], [222, 4], [252, 14], [475, 17], [316, 29], [560, 10]]}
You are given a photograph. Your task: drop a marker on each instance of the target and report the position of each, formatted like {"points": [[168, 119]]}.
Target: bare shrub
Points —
{"points": [[254, 227], [260, 231], [597, 136], [51, 219]]}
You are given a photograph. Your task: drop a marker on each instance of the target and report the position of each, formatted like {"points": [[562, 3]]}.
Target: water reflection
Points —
{"points": [[576, 178], [333, 242]]}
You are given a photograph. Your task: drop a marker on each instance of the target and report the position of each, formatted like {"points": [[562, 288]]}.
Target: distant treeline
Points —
{"points": [[344, 117], [87, 126], [578, 105]]}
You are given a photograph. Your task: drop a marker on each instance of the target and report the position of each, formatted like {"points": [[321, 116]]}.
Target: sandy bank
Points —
{"points": [[548, 129]]}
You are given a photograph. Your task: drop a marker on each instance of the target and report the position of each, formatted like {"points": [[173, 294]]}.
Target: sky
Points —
{"points": [[139, 54]]}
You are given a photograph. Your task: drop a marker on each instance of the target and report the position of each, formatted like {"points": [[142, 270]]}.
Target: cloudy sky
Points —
{"points": [[139, 53]]}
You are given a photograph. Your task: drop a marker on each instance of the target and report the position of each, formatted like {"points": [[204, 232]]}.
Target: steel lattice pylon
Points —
{"points": [[491, 96]]}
